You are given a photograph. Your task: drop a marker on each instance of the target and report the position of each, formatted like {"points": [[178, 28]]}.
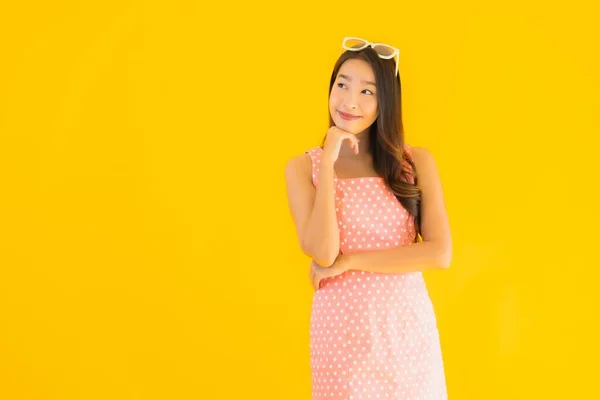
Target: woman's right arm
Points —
{"points": [[313, 209]]}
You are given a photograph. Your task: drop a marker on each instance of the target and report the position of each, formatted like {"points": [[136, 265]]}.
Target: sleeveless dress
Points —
{"points": [[373, 335]]}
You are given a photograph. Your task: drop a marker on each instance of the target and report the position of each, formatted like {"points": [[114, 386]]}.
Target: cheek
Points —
{"points": [[371, 109], [334, 99]]}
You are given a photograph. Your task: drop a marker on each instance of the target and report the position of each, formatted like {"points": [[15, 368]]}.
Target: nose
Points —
{"points": [[350, 102]]}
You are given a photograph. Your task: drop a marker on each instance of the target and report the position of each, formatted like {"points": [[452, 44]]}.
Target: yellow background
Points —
{"points": [[146, 249]]}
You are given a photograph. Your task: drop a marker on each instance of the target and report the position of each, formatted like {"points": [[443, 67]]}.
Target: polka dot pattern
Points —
{"points": [[373, 335]]}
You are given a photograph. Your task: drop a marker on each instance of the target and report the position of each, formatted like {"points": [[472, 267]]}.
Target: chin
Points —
{"points": [[355, 131], [344, 125]]}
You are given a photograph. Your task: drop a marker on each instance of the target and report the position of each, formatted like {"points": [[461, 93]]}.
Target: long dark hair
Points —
{"points": [[386, 134]]}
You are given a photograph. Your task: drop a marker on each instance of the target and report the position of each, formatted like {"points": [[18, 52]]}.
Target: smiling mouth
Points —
{"points": [[348, 116]]}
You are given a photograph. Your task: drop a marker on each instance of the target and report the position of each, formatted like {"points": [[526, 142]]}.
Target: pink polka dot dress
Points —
{"points": [[373, 335]]}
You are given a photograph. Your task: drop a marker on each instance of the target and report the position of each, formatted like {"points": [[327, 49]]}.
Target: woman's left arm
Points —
{"points": [[435, 251]]}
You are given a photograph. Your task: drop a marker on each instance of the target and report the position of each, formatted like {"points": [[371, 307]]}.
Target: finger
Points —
{"points": [[351, 138], [352, 141]]}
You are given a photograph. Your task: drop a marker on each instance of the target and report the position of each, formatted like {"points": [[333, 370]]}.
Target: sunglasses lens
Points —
{"points": [[355, 43], [383, 50]]}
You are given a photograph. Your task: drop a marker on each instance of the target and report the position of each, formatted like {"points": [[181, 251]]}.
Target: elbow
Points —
{"points": [[323, 260], [444, 256], [326, 261], [323, 257]]}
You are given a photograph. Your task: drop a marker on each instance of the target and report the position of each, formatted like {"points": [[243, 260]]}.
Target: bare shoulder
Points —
{"points": [[298, 167], [422, 156], [424, 163]]}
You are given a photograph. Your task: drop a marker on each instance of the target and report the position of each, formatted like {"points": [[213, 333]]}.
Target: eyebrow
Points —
{"points": [[350, 79]]}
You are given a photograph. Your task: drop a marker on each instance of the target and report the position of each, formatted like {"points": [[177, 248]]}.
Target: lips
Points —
{"points": [[348, 116]]}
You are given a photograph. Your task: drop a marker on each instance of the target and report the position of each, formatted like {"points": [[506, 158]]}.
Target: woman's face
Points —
{"points": [[354, 92]]}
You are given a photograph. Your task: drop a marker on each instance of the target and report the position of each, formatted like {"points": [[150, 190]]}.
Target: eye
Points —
{"points": [[345, 85]]}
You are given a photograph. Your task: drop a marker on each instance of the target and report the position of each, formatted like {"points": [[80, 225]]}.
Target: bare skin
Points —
{"points": [[313, 209], [434, 252]]}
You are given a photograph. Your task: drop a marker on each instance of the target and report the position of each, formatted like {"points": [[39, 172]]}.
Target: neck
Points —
{"points": [[363, 146]]}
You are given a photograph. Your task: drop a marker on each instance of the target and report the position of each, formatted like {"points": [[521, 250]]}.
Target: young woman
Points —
{"points": [[369, 210]]}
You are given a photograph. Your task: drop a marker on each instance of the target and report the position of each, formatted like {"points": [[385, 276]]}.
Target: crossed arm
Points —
{"points": [[434, 252]]}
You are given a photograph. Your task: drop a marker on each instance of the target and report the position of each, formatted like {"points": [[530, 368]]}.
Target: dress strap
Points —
{"points": [[315, 156]]}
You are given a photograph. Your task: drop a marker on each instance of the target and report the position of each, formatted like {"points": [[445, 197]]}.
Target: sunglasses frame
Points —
{"points": [[367, 44]]}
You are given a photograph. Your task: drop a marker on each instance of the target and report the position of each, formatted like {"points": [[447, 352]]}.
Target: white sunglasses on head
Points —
{"points": [[384, 51]]}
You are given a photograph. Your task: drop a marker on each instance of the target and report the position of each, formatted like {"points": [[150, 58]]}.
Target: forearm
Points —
{"points": [[416, 257], [322, 235]]}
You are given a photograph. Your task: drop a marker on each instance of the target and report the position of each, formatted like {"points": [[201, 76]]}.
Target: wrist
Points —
{"points": [[326, 161], [346, 262], [326, 170]]}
